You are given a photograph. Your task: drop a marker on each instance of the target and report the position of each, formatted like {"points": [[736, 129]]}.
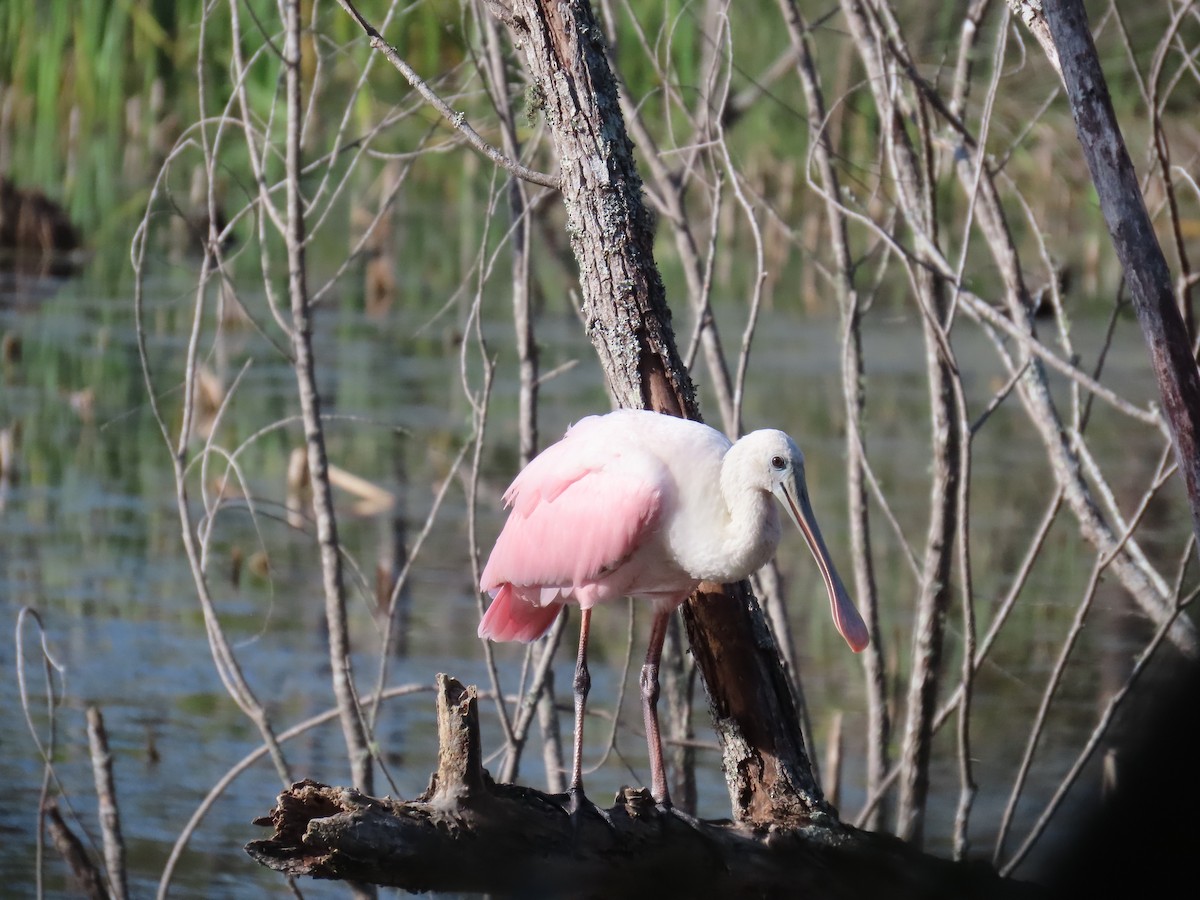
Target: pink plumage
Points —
{"points": [[578, 512], [510, 618]]}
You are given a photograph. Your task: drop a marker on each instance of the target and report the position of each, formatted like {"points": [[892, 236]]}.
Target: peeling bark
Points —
{"points": [[610, 229]]}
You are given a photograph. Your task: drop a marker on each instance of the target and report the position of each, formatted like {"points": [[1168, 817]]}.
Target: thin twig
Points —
{"points": [[821, 152], [221, 785], [456, 119], [401, 579], [225, 661], [354, 729], [1006, 606], [1056, 674], [1085, 753], [46, 748]]}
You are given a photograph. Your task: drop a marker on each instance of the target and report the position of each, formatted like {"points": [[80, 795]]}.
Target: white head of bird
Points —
{"points": [[760, 465]]}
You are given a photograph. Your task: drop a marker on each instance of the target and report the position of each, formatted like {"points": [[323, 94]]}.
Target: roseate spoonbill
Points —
{"points": [[639, 504]]}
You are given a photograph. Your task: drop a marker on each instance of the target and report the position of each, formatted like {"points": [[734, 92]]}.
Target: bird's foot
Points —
{"points": [[576, 801], [669, 810], [579, 808]]}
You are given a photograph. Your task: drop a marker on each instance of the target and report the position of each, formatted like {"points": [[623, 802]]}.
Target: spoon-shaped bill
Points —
{"points": [[793, 493]]}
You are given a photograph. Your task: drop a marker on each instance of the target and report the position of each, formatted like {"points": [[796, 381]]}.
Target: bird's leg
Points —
{"points": [[583, 683], [658, 774]]}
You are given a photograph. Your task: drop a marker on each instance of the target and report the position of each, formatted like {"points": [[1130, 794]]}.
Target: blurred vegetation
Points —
{"points": [[94, 95]]}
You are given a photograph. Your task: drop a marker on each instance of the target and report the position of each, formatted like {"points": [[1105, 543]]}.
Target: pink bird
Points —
{"points": [[638, 504]]}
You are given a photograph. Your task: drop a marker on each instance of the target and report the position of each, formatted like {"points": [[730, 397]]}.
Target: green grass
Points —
{"points": [[80, 82]]}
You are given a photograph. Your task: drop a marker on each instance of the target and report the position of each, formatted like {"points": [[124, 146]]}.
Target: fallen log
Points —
{"points": [[468, 834]]}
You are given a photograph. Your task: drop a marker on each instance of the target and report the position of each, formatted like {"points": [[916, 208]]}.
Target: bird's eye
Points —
{"points": [[778, 463]]}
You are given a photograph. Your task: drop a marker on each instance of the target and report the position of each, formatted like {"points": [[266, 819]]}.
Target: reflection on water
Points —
{"points": [[89, 537]]}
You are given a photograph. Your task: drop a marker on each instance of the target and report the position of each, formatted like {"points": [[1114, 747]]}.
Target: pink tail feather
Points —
{"points": [[512, 618]]}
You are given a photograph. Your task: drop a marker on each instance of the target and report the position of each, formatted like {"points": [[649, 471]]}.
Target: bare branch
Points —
{"points": [[457, 119], [353, 727], [106, 796], [1133, 235], [1032, 14]]}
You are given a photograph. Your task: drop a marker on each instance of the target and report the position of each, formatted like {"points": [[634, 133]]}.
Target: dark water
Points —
{"points": [[89, 537]]}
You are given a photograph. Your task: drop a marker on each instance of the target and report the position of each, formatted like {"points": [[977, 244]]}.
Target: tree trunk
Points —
{"points": [[627, 318]]}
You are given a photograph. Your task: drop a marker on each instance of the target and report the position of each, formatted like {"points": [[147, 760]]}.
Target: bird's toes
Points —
{"points": [[679, 813], [576, 800], [580, 810]]}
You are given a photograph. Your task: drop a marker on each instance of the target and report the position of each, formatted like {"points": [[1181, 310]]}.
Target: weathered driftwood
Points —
{"points": [[467, 833]]}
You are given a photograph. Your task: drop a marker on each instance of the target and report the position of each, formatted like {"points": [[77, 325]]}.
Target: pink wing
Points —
{"points": [[510, 618], [578, 510]]}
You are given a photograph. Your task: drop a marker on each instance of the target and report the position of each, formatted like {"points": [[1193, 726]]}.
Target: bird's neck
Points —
{"points": [[752, 533]]}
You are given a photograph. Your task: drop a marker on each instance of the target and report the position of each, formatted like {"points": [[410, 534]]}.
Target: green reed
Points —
{"points": [[98, 92]]}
